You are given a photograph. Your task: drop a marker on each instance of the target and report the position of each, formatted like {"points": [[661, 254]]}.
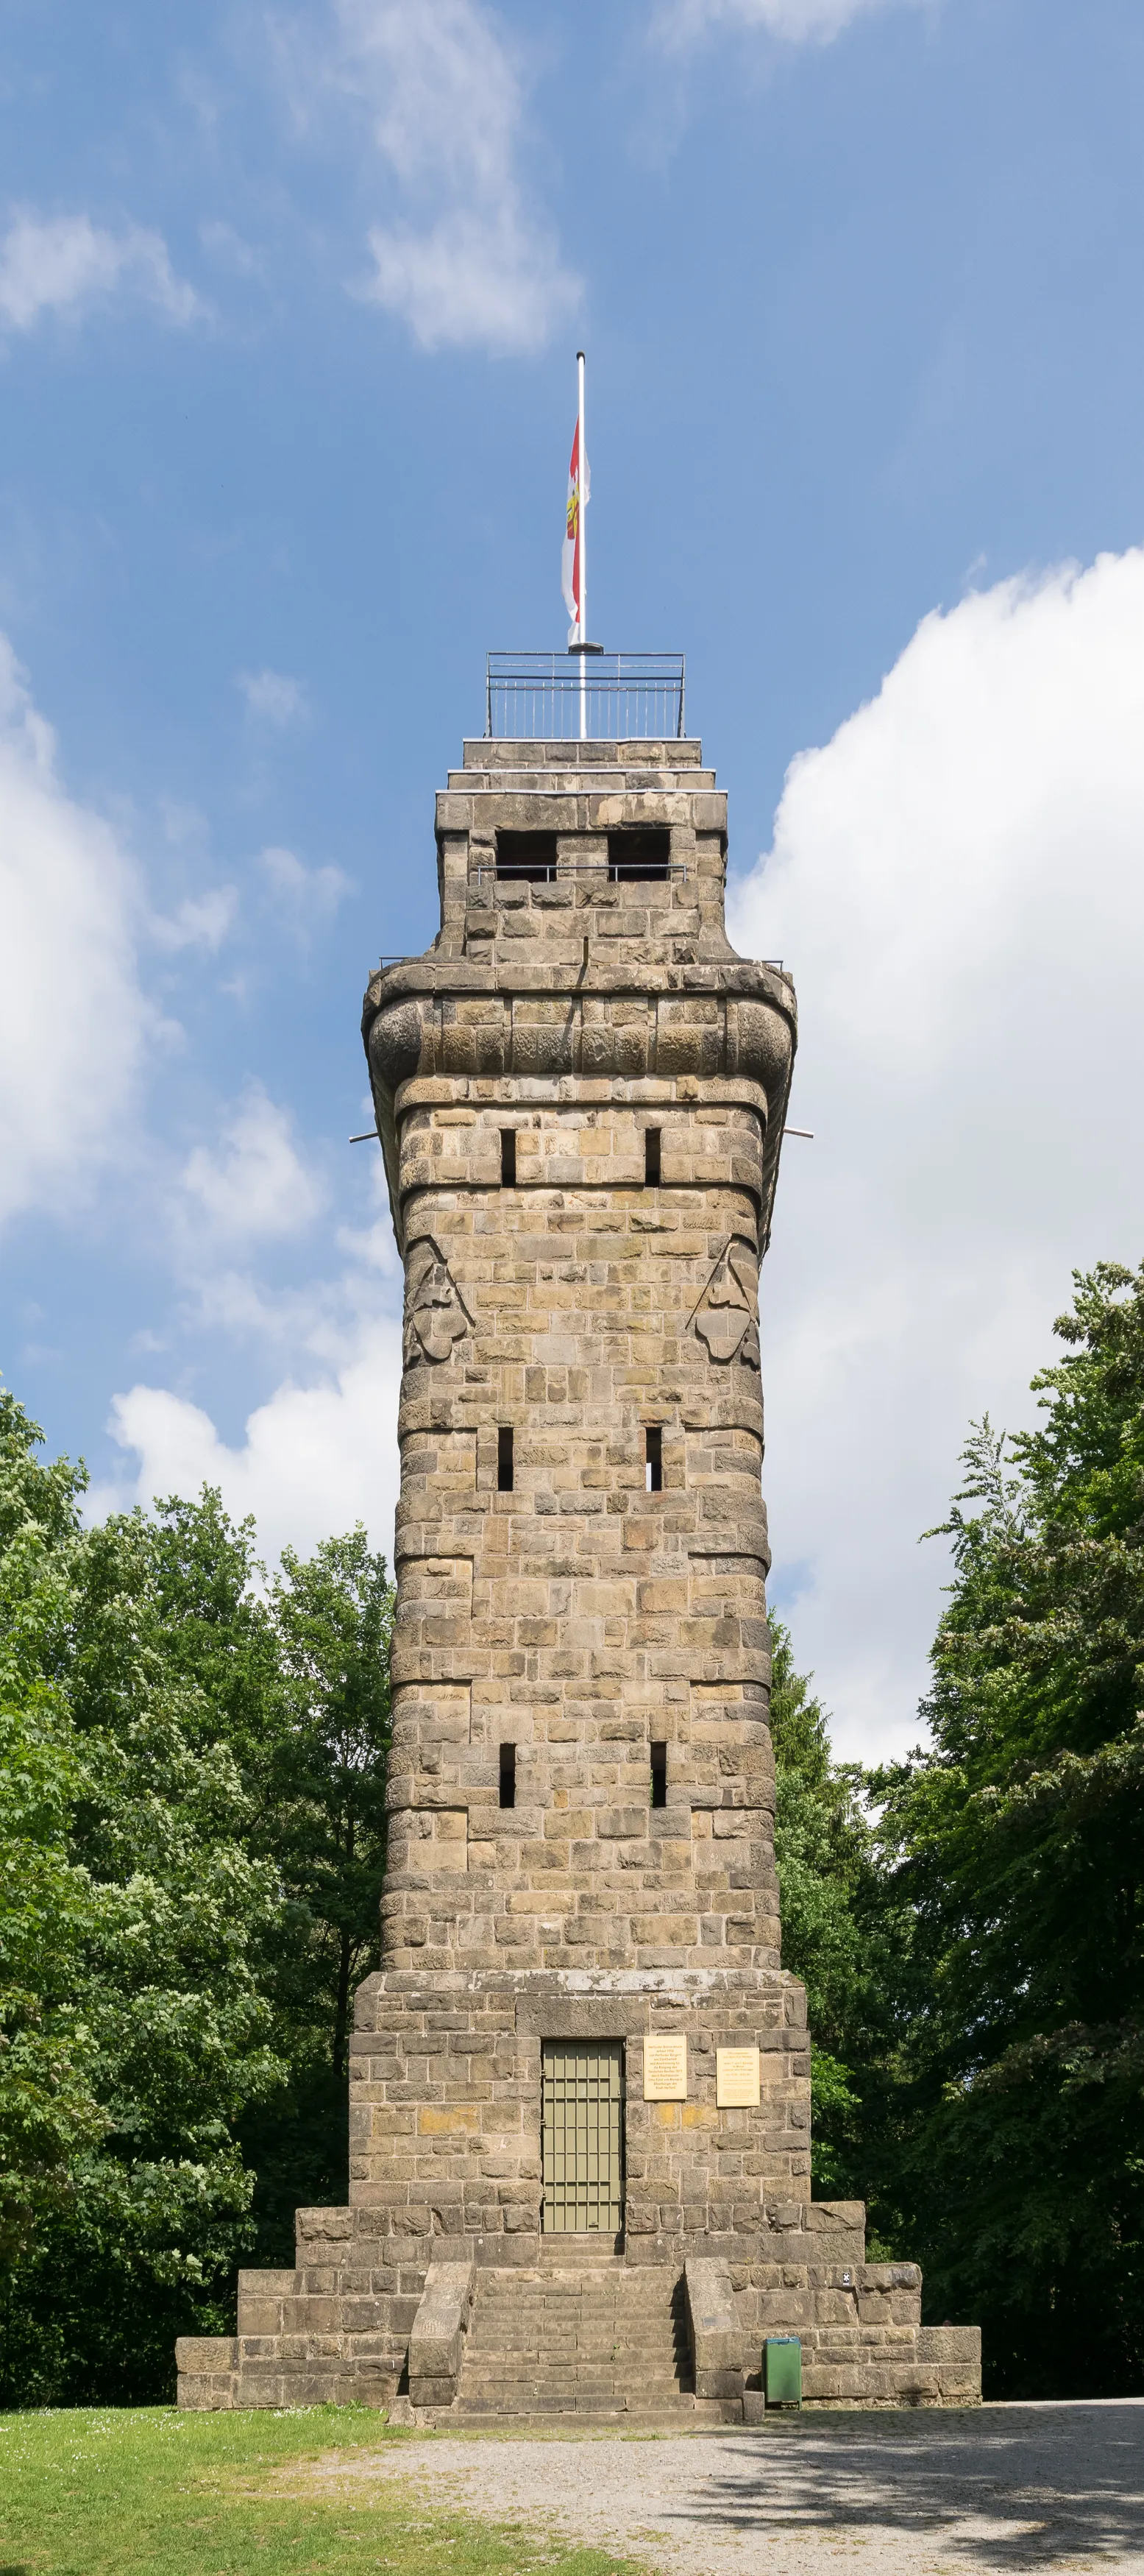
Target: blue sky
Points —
{"points": [[289, 300]]}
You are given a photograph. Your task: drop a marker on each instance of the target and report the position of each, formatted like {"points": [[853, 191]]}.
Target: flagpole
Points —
{"points": [[581, 534]]}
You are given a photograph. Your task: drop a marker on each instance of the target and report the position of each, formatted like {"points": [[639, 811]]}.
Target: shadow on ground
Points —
{"points": [[1011, 2487]]}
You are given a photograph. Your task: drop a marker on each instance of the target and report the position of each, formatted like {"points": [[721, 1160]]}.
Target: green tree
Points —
{"points": [[840, 1934], [48, 2110], [192, 1772], [210, 1604], [1015, 1844], [333, 1620], [322, 1814], [134, 1926]]}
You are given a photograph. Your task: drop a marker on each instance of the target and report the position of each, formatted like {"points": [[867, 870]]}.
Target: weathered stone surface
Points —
{"points": [[208, 2368], [716, 2333], [581, 1558], [435, 2343]]}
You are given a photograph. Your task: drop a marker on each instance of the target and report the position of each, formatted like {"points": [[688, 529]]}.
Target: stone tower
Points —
{"points": [[580, 2096]]}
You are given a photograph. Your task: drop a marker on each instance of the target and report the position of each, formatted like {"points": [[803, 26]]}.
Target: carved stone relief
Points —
{"points": [[725, 1317], [436, 1316]]}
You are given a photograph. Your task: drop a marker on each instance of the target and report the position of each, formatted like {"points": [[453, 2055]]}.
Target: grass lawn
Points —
{"points": [[104, 2491]]}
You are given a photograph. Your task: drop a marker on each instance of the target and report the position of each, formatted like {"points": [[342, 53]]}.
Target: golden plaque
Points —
{"points": [[665, 2070], [737, 2078]]}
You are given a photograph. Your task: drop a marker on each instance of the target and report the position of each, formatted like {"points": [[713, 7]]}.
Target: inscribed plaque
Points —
{"points": [[665, 2070], [737, 2078]]}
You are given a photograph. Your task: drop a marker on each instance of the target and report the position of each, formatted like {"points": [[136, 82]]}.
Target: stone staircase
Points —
{"points": [[582, 2334], [575, 2333]]}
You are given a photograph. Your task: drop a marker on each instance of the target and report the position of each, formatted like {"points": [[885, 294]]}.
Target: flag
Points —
{"points": [[579, 491]]}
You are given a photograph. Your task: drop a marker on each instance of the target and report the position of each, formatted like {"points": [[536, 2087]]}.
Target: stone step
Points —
{"points": [[494, 2397], [640, 2329], [640, 2324], [483, 2366], [522, 2319], [641, 2311], [621, 2368], [684, 2415], [579, 2395], [493, 2367], [600, 2341], [537, 2302], [593, 2246], [608, 2347], [664, 2419], [661, 2356], [578, 2291], [640, 2302], [573, 2410], [661, 2359], [523, 2373], [510, 2384], [515, 2331], [533, 2383]]}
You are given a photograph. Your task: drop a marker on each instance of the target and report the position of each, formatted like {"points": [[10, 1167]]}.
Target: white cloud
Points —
{"points": [[274, 696], [62, 263], [303, 896], [74, 1020], [472, 263], [321, 1452], [256, 1186], [314, 1459], [797, 22], [202, 921], [957, 882]]}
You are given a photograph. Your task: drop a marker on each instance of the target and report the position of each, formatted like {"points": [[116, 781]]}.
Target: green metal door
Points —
{"points": [[583, 2131]]}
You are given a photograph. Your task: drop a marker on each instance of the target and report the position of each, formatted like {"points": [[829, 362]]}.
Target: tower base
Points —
{"points": [[457, 2287]]}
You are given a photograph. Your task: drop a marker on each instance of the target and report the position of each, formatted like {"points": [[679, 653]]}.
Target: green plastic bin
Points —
{"points": [[782, 2370]]}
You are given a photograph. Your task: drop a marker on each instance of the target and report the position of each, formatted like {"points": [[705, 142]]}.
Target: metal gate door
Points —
{"points": [[583, 2092]]}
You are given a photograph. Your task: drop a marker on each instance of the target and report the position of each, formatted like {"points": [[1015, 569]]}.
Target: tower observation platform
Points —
{"points": [[580, 2080]]}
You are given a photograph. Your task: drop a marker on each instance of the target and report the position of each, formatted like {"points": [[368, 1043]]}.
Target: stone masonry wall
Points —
{"points": [[581, 1617], [445, 2105]]}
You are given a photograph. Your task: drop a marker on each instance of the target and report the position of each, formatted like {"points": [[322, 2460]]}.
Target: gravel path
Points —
{"points": [[1010, 2488]]}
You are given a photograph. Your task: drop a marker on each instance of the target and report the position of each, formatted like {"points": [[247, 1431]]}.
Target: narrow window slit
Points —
{"points": [[653, 1470], [659, 1775], [504, 1461], [508, 1158], [508, 1775], [651, 1156]]}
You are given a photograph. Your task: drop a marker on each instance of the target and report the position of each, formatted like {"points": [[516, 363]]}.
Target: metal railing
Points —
{"points": [[597, 697], [673, 872]]}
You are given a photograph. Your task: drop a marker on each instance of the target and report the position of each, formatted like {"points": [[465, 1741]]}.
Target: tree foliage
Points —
{"points": [[1014, 1845], [191, 1774], [968, 1921], [822, 1853]]}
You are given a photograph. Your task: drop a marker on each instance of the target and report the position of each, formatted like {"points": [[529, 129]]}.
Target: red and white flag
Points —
{"points": [[571, 580]]}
